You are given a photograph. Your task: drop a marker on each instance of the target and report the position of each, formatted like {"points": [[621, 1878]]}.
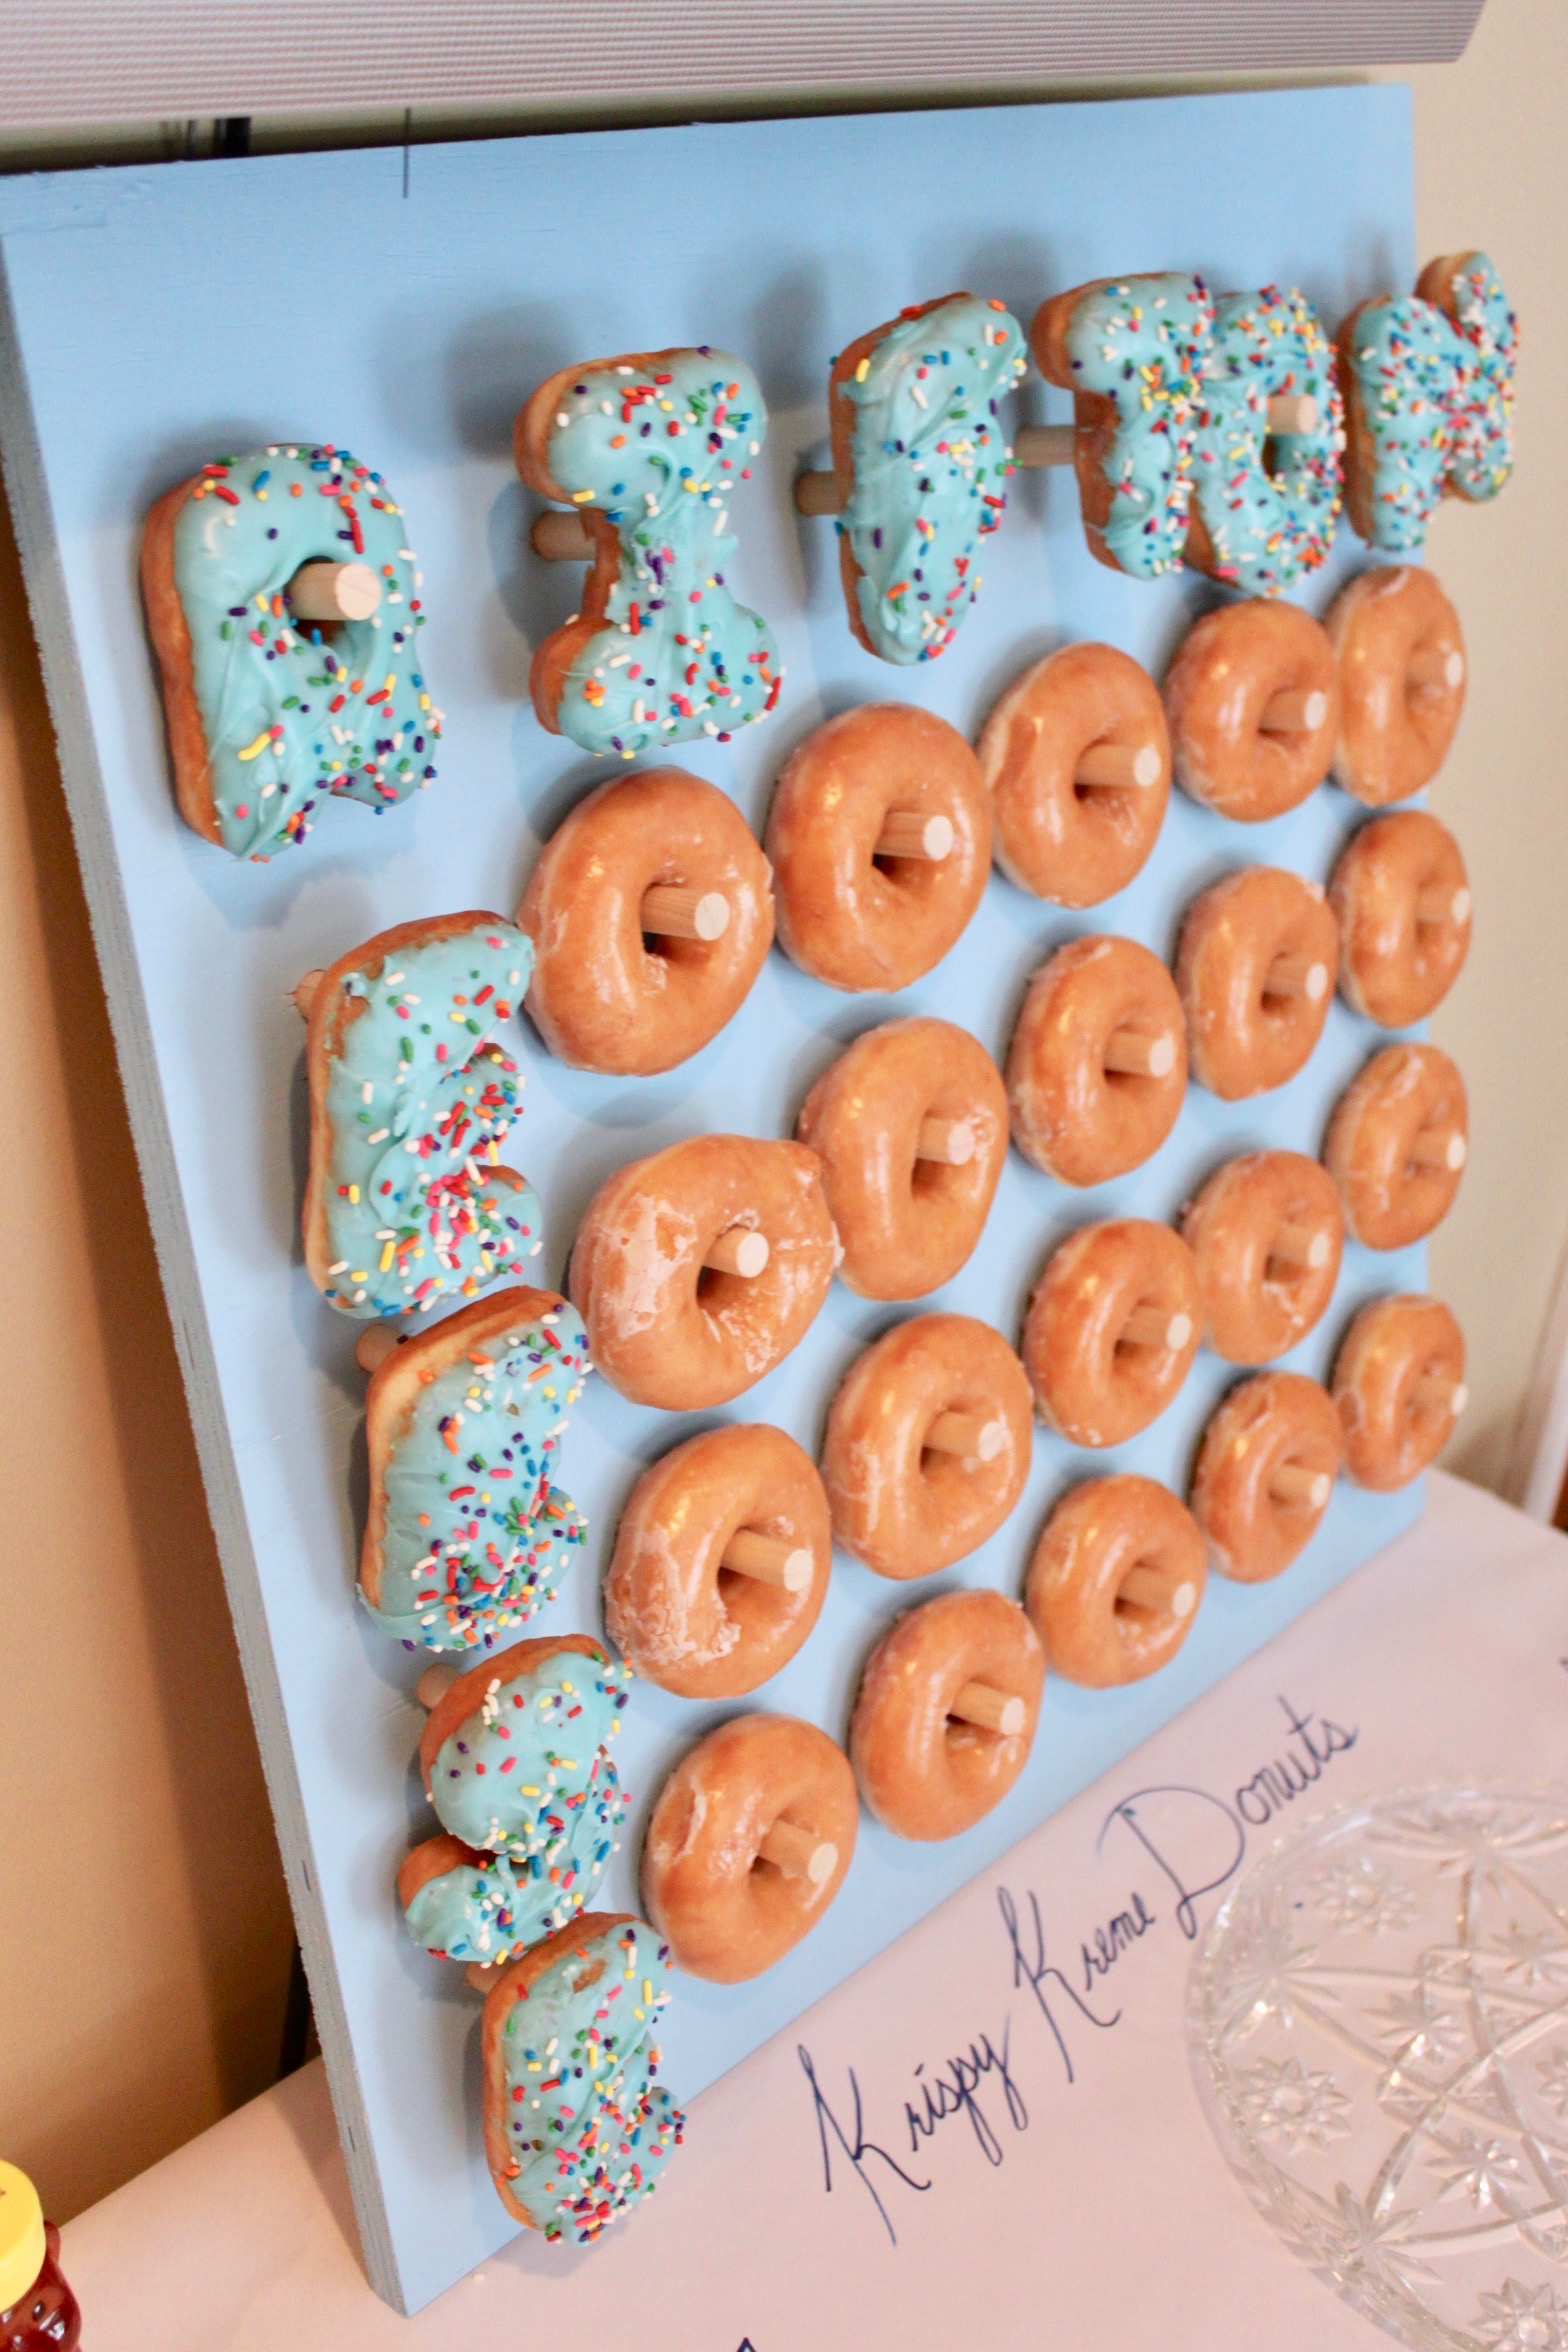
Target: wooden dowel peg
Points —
{"points": [[1153, 1327], [1295, 710], [1044, 445], [1117, 767], [333, 592], [767, 1559], [741, 1249], [907, 834], [561, 538], [950, 1142], [816, 494], [993, 1710], [375, 1343], [1298, 1245], [481, 1974], [1439, 902], [304, 995], [1290, 975], [1443, 1148], [1440, 1392], [1293, 412], [799, 1853], [1150, 1588], [967, 1435], [1305, 1490], [1431, 670], [433, 1685], [671, 912], [1140, 1057]]}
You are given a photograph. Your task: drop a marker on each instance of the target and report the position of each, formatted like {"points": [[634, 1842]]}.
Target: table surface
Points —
{"points": [[1058, 2121]]}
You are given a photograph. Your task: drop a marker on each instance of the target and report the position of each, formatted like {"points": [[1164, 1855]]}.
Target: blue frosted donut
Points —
{"points": [[1263, 529], [266, 716], [577, 2128]]}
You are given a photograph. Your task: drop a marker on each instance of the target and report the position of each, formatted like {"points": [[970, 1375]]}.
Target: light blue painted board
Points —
{"points": [[160, 317]]}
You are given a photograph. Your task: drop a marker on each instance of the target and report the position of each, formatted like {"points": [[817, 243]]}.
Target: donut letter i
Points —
{"points": [[649, 449]]}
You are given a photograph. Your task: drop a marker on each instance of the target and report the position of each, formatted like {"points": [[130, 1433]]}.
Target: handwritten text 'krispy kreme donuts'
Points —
{"points": [[1173, 1845]]}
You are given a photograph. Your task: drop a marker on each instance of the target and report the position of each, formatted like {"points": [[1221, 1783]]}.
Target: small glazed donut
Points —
{"points": [[648, 450], [1131, 351], [413, 1085], [577, 2128], [1267, 393], [1265, 1472], [1076, 757], [1255, 971], [880, 837], [1098, 1063], [240, 566], [1253, 703], [1403, 901], [1267, 1232], [1396, 1144], [697, 1269], [910, 1125], [1402, 677], [1399, 1384], [927, 1445], [721, 1562], [946, 1716], [1112, 1330], [651, 910], [1115, 1581], [921, 463], [749, 1843]]}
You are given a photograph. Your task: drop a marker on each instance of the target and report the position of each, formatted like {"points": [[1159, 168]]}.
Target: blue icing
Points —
{"points": [[418, 1100], [290, 719], [1403, 356], [660, 452], [1266, 529], [476, 1537], [1482, 456], [930, 469], [588, 2127], [1142, 343]]}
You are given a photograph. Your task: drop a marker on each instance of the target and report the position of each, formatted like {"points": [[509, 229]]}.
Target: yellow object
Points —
{"points": [[22, 2244]]}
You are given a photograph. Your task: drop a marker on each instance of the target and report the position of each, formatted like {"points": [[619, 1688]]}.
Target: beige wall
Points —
{"points": [[145, 1942]]}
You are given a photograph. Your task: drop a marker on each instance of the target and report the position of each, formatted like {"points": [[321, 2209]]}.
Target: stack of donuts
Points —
{"points": [[697, 1268]]}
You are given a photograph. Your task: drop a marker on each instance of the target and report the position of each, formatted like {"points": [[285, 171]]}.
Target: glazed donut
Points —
{"points": [[651, 909], [697, 1269], [721, 1562], [1399, 1385], [1265, 1471], [1428, 386], [946, 1716], [1098, 1063], [1112, 1330], [927, 1445], [921, 466], [649, 449], [577, 2129], [1402, 899], [1077, 760], [1402, 672], [1267, 1232], [532, 1809], [1131, 352], [910, 1125], [240, 567], [749, 1842], [1115, 1581], [411, 1092], [467, 1533], [880, 837], [1255, 971], [1268, 391], [1396, 1145], [1253, 703]]}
